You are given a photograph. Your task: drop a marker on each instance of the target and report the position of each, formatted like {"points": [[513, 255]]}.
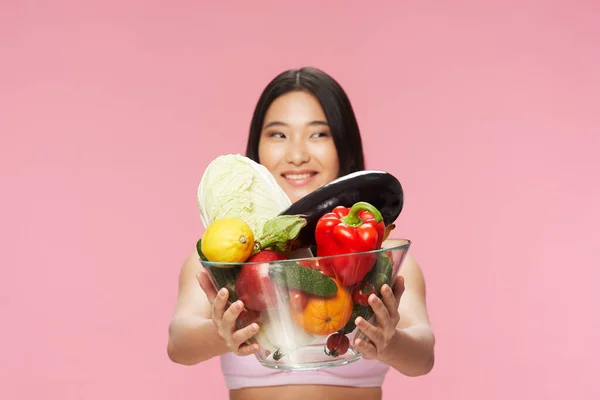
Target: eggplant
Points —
{"points": [[379, 188]]}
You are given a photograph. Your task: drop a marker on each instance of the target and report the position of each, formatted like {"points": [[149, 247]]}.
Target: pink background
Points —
{"points": [[487, 113]]}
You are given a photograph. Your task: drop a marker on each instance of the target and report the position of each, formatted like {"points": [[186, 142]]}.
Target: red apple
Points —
{"points": [[267, 256], [253, 284]]}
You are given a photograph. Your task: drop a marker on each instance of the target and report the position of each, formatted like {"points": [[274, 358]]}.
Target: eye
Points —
{"points": [[320, 134], [277, 135]]}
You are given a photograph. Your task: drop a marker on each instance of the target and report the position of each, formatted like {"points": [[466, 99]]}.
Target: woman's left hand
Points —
{"points": [[382, 343]]}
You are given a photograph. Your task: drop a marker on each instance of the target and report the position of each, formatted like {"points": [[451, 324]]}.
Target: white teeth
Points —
{"points": [[298, 176]]}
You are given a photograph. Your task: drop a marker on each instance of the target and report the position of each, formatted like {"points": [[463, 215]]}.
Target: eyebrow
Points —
{"points": [[279, 123]]}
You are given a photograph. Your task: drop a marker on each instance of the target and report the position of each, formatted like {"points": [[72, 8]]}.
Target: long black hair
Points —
{"points": [[336, 105]]}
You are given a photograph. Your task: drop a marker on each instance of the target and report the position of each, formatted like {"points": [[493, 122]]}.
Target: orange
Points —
{"points": [[325, 315]]}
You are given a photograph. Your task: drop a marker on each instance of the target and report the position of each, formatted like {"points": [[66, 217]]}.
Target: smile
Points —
{"points": [[299, 178]]}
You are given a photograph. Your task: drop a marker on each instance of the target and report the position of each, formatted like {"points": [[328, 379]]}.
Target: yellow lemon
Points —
{"points": [[228, 240]]}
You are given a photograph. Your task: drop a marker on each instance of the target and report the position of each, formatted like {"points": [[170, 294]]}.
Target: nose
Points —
{"points": [[296, 152]]}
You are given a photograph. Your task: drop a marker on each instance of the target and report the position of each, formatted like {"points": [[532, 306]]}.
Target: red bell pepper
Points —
{"points": [[350, 230]]}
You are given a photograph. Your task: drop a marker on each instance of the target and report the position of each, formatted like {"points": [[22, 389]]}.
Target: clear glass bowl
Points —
{"points": [[305, 305]]}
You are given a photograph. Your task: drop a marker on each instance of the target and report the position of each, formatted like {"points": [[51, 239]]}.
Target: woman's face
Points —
{"points": [[296, 145]]}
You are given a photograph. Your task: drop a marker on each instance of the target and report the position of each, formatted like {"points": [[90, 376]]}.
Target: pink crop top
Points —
{"points": [[240, 372]]}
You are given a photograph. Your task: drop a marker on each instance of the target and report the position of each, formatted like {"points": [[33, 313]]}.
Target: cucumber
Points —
{"points": [[225, 278], [221, 277], [358, 311], [199, 250], [295, 276], [381, 273]]}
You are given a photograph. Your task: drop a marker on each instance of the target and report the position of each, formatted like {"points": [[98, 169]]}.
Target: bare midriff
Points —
{"points": [[306, 392]]}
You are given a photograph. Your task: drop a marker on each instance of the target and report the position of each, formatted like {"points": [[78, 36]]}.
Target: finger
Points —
{"points": [[374, 334], [398, 287], [248, 349], [368, 350], [219, 304], [206, 285], [380, 310], [390, 302], [231, 315], [241, 335]]}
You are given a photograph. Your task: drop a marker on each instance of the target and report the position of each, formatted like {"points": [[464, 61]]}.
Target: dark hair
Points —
{"points": [[336, 105]]}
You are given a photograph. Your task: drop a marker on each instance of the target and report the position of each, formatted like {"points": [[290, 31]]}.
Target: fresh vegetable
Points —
{"points": [[379, 281], [236, 186], [278, 355], [382, 272], [325, 315], [337, 345], [342, 231], [357, 311], [225, 278], [279, 233], [361, 293], [378, 188], [255, 288], [295, 276], [228, 240], [199, 250], [220, 277]]}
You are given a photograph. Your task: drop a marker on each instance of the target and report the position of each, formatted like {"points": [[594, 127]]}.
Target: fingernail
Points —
{"points": [[238, 305], [359, 321], [222, 292], [255, 328]]}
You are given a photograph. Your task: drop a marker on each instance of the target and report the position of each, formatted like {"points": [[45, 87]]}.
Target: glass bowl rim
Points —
{"points": [[405, 245]]}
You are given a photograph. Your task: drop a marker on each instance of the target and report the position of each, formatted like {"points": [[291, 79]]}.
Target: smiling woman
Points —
{"points": [[296, 145], [305, 133]]}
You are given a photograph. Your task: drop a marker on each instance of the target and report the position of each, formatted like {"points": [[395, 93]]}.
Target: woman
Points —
{"points": [[304, 131]]}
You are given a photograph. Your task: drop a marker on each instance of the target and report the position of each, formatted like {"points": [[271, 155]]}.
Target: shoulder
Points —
{"points": [[191, 297], [414, 278], [191, 266], [411, 267]]}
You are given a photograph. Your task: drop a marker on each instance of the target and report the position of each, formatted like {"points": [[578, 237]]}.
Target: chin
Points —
{"points": [[296, 194]]}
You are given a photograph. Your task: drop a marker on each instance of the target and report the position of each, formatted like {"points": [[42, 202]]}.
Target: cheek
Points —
{"points": [[329, 160], [268, 155]]}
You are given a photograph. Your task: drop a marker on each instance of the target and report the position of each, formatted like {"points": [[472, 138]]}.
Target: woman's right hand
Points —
{"points": [[225, 318]]}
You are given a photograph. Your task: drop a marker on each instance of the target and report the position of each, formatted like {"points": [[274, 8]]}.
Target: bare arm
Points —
{"points": [[193, 336], [415, 338], [403, 337]]}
